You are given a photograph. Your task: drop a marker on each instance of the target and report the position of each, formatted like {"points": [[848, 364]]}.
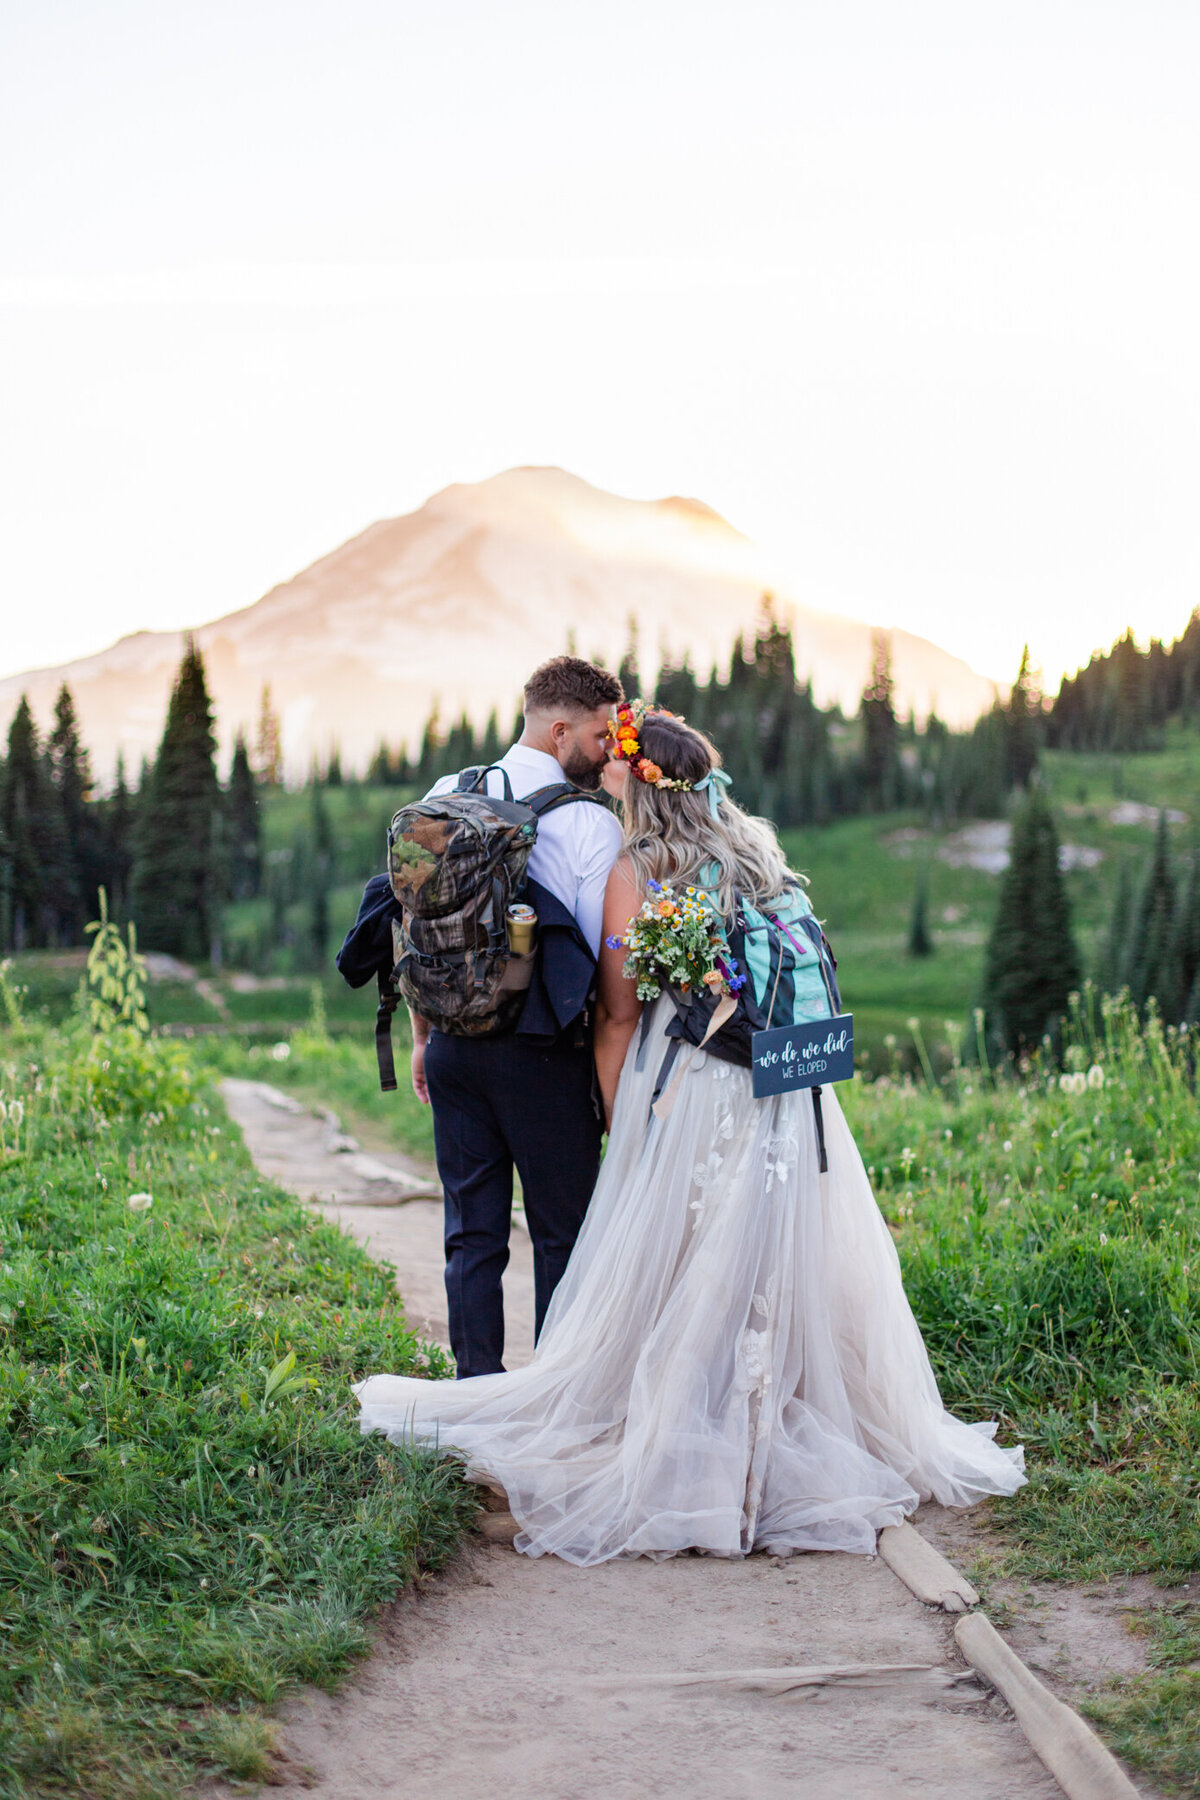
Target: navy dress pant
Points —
{"points": [[498, 1102]]}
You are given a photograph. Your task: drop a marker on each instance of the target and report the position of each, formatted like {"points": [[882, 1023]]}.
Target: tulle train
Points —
{"points": [[728, 1364]]}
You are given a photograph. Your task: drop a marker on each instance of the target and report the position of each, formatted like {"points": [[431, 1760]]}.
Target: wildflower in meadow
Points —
{"points": [[140, 1202], [281, 1052], [1095, 1076]]}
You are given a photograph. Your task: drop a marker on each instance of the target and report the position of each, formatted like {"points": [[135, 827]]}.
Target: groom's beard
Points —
{"points": [[584, 773]]}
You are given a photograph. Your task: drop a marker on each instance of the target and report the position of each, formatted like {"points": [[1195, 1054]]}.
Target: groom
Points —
{"points": [[525, 1098]]}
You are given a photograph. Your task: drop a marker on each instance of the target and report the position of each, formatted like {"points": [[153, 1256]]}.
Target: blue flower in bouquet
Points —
{"points": [[615, 943]]}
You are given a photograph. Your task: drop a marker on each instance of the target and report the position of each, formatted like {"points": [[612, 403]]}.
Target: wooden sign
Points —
{"points": [[802, 1056]]}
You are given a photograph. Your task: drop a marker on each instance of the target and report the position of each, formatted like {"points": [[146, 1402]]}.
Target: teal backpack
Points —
{"points": [[787, 970], [784, 972]]}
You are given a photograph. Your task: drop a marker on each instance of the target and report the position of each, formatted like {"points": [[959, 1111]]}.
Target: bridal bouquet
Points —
{"points": [[675, 941]]}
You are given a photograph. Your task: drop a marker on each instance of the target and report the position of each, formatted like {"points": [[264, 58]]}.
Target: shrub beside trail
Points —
{"points": [[189, 1518]]}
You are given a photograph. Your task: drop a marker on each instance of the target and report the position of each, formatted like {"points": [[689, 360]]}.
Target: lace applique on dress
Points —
{"points": [[782, 1153]]}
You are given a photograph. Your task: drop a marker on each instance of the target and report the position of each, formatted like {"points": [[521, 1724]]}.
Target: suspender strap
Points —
{"points": [[389, 1000], [823, 1163]]}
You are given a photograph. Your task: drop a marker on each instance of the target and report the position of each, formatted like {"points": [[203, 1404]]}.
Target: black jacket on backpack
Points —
{"points": [[563, 978]]}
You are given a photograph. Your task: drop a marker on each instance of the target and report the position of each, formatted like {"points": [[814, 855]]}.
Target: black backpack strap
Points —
{"points": [[389, 1000], [822, 1159], [665, 1068], [474, 780], [559, 793]]}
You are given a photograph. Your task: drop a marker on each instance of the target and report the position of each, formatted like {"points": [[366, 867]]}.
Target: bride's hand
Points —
{"points": [[613, 777]]}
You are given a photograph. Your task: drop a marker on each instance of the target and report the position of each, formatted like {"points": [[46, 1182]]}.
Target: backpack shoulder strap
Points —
{"points": [[559, 793], [474, 780]]}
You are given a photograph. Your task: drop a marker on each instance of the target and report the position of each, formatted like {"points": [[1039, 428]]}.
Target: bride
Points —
{"points": [[729, 1363]]}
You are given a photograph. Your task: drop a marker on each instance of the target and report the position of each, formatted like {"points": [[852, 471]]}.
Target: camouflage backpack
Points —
{"points": [[456, 862]]}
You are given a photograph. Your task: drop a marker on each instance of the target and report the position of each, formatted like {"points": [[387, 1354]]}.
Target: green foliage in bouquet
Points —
{"points": [[675, 941]]}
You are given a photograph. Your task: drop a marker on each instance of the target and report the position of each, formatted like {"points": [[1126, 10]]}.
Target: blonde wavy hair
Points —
{"points": [[673, 836]]}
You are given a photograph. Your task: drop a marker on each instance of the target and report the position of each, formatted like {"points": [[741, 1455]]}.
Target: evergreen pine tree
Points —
{"points": [[71, 776], [244, 826], [42, 897], [268, 749], [676, 689], [322, 868], [118, 814], [1031, 963], [20, 799], [1153, 964], [429, 761], [920, 943], [491, 749], [459, 750], [1187, 930], [1023, 718], [880, 760], [628, 674], [1128, 697], [177, 878], [1113, 970]]}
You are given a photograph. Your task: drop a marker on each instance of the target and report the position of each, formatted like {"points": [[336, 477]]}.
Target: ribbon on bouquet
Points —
{"points": [[725, 1008]]}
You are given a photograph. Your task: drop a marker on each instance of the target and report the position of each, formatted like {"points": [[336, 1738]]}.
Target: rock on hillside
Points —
{"points": [[457, 602]]}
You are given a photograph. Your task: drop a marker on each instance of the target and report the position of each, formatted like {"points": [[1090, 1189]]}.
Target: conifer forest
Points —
{"points": [[225, 867]]}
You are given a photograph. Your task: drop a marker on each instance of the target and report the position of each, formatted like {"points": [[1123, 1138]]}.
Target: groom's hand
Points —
{"points": [[420, 1086], [420, 1031]]}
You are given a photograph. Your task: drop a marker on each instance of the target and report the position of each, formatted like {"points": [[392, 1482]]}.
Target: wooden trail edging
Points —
{"points": [[1069, 1748]]}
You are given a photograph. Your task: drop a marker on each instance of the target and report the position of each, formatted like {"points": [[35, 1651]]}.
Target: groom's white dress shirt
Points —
{"points": [[576, 845]]}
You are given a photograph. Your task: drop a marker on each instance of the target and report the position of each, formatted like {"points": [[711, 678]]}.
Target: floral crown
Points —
{"points": [[626, 745]]}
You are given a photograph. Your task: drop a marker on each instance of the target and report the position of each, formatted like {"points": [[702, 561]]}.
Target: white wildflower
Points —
{"points": [[1095, 1076], [1007, 1145], [281, 1052], [3, 1112], [16, 1113], [1103, 1237], [140, 1202]]}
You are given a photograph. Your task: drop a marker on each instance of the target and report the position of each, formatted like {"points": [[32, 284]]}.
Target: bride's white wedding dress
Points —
{"points": [[729, 1362]]}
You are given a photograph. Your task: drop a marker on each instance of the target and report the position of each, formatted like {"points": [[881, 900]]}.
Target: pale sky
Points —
{"points": [[909, 293]]}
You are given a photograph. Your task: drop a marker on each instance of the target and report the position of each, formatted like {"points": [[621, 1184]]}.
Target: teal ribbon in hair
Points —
{"points": [[714, 781]]}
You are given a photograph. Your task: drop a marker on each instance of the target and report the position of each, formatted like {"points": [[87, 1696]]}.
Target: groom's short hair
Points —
{"points": [[567, 684]]}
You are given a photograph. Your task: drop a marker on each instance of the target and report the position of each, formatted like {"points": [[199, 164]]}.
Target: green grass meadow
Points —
{"points": [[190, 1520]]}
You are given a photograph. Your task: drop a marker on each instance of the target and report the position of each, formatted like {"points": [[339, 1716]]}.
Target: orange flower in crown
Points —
{"points": [[625, 745]]}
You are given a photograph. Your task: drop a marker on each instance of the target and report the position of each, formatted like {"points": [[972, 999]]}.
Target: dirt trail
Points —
{"points": [[391, 1204], [814, 1678]]}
